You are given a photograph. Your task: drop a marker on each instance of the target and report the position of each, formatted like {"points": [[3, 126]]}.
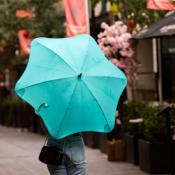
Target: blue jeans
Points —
{"points": [[75, 163]]}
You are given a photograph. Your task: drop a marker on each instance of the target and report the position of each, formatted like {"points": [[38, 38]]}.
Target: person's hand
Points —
{"points": [[117, 119]]}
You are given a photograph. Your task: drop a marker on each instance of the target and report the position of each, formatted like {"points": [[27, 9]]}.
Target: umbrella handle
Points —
{"points": [[45, 105]]}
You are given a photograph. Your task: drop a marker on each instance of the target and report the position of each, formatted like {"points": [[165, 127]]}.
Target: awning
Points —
{"points": [[165, 27]]}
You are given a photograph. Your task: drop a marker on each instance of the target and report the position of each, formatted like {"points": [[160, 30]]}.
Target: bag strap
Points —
{"points": [[64, 143], [45, 140]]}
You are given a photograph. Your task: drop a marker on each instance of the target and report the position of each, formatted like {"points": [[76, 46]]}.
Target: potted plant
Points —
{"points": [[154, 148], [115, 150], [133, 129], [115, 144]]}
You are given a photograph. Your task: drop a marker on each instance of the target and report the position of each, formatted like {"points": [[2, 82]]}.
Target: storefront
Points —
{"points": [[160, 39]]}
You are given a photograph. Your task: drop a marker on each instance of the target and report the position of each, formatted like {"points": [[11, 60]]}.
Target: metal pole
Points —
{"points": [[125, 11], [159, 70], [155, 65]]}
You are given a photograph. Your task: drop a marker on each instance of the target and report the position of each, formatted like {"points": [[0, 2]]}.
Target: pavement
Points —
{"points": [[19, 156]]}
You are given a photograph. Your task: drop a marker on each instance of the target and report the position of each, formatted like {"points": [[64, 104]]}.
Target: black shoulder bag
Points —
{"points": [[51, 154]]}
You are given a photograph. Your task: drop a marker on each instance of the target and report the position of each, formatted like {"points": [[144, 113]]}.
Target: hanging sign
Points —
{"points": [[161, 4], [24, 41], [77, 18]]}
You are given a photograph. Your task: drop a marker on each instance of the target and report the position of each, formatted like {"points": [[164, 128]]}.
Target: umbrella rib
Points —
{"points": [[67, 106], [50, 68], [93, 66], [105, 76], [97, 102], [26, 86], [85, 54], [55, 54]]}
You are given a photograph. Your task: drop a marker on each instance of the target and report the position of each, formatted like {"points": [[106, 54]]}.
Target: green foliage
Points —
{"points": [[141, 14], [137, 10], [134, 110], [153, 128], [46, 20]]}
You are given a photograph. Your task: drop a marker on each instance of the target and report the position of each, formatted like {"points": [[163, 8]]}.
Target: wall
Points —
{"points": [[146, 84]]}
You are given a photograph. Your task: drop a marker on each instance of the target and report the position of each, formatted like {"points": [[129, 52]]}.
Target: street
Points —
{"points": [[19, 156]]}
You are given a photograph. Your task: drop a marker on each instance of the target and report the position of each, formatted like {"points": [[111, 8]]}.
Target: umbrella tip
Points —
{"points": [[79, 76]]}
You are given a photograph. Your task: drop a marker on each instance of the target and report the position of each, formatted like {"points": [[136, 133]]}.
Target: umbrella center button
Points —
{"points": [[79, 76]]}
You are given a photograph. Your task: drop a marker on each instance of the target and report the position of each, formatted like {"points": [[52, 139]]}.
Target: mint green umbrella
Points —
{"points": [[72, 85]]}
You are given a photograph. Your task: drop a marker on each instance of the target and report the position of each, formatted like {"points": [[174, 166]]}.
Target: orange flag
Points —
{"points": [[24, 14], [77, 18], [24, 42], [161, 4]]}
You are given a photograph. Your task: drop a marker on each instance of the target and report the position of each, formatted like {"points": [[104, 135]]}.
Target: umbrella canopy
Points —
{"points": [[165, 27], [72, 85]]}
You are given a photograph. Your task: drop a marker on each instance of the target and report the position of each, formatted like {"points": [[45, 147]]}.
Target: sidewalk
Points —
{"points": [[19, 156]]}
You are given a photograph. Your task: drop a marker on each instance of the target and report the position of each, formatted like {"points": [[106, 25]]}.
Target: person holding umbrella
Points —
{"points": [[74, 88], [73, 162]]}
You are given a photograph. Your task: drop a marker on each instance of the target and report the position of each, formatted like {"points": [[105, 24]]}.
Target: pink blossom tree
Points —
{"points": [[115, 42]]}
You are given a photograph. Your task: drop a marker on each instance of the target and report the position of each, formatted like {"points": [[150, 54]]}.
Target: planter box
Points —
{"points": [[155, 158], [131, 146], [115, 150]]}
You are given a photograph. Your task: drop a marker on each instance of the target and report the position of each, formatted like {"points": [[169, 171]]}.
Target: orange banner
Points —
{"points": [[24, 14], [24, 41], [161, 4], [77, 18]]}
